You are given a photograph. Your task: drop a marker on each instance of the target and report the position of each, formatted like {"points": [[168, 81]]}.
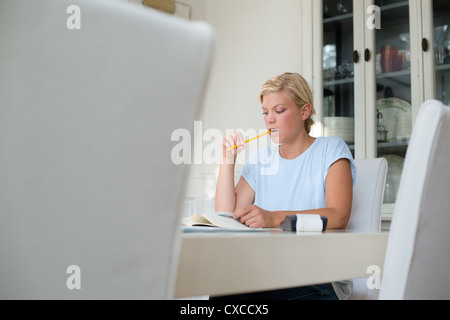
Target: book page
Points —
{"points": [[217, 220]]}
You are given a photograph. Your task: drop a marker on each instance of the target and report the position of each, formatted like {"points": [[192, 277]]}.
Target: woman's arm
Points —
{"points": [[225, 192], [338, 198], [228, 198], [339, 194]]}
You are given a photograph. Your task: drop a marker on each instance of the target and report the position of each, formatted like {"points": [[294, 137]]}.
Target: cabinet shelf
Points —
{"points": [[389, 9], [392, 6], [381, 76], [393, 13], [402, 78], [443, 67], [395, 74], [398, 147], [339, 18], [339, 82]]}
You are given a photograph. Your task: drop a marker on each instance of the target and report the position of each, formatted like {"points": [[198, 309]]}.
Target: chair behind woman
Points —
{"points": [[368, 193]]}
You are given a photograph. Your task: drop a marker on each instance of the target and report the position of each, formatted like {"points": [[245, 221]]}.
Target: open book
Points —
{"points": [[219, 222], [223, 220]]}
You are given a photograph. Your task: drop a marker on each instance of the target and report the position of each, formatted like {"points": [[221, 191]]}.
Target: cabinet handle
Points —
{"points": [[367, 55], [425, 45], [355, 56]]}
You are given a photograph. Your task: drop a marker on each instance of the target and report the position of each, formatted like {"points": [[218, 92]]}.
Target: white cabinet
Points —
{"points": [[374, 62]]}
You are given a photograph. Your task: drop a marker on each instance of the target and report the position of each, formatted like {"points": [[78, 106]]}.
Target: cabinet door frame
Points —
{"points": [[423, 82], [312, 55], [365, 85]]}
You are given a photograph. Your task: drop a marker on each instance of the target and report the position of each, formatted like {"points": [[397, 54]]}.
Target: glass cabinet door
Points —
{"points": [[393, 86], [390, 54], [338, 70], [387, 97], [441, 17]]}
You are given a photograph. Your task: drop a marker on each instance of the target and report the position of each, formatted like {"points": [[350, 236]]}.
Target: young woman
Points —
{"points": [[301, 174]]}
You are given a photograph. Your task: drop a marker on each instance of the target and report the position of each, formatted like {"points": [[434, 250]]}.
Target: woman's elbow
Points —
{"points": [[339, 220], [343, 223]]}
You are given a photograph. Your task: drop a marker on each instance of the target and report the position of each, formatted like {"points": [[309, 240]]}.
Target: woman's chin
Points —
{"points": [[275, 139]]}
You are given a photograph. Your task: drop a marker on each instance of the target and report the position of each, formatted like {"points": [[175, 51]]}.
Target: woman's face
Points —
{"points": [[283, 117]]}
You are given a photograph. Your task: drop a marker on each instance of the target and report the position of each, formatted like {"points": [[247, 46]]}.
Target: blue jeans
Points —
{"points": [[316, 292]]}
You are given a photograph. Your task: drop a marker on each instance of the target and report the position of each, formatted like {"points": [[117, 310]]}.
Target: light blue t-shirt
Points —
{"points": [[294, 185], [299, 184]]}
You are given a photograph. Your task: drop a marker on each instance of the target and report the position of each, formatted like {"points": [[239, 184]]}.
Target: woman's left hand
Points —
{"points": [[255, 217]]}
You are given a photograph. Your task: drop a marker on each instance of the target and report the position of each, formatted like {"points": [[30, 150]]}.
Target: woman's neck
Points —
{"points": [[292, 150]]}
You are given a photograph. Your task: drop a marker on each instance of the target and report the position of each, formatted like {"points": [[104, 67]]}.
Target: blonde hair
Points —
{"points": [[298, 89]]}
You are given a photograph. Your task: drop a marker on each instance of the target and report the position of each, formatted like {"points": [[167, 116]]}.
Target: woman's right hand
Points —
{"points": [[231, 140]]}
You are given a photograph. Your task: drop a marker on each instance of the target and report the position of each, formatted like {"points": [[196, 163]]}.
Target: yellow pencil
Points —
{"points": [[261, 135]]}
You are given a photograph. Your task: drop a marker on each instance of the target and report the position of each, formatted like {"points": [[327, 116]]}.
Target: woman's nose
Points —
{"points": [[270, 117]]}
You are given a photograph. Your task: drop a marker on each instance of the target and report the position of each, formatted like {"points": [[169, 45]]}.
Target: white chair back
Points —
{"points": [[368, 193], [418, 257], [90, 200]]}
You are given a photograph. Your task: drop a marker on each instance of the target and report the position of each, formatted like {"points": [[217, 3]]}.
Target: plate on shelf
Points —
{"points": [[390, 108], [395, 168], [403, 126], [343, 127]]}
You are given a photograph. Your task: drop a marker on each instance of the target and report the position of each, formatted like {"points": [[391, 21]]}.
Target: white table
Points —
{"points": [[229, 263]]}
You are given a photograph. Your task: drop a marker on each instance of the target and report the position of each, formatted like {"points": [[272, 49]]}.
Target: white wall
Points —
{"points": [[198, 8], [256, 39]]}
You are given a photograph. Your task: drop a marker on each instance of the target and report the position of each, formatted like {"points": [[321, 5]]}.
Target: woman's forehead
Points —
{"points": [[275, 99]]}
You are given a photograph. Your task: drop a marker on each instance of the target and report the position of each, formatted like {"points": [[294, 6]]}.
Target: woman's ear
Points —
{"points": [[306, 111]]}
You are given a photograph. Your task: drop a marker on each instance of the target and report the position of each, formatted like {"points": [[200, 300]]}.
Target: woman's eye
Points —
{"points": [[264, 113], [280, 111]]}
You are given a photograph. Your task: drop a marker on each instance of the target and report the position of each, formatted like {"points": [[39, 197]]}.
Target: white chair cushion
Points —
{"points": [[417, 258], [86, 118]]}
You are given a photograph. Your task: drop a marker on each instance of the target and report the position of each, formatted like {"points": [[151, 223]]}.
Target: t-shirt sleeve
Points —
{"points": [[337, 149]]}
